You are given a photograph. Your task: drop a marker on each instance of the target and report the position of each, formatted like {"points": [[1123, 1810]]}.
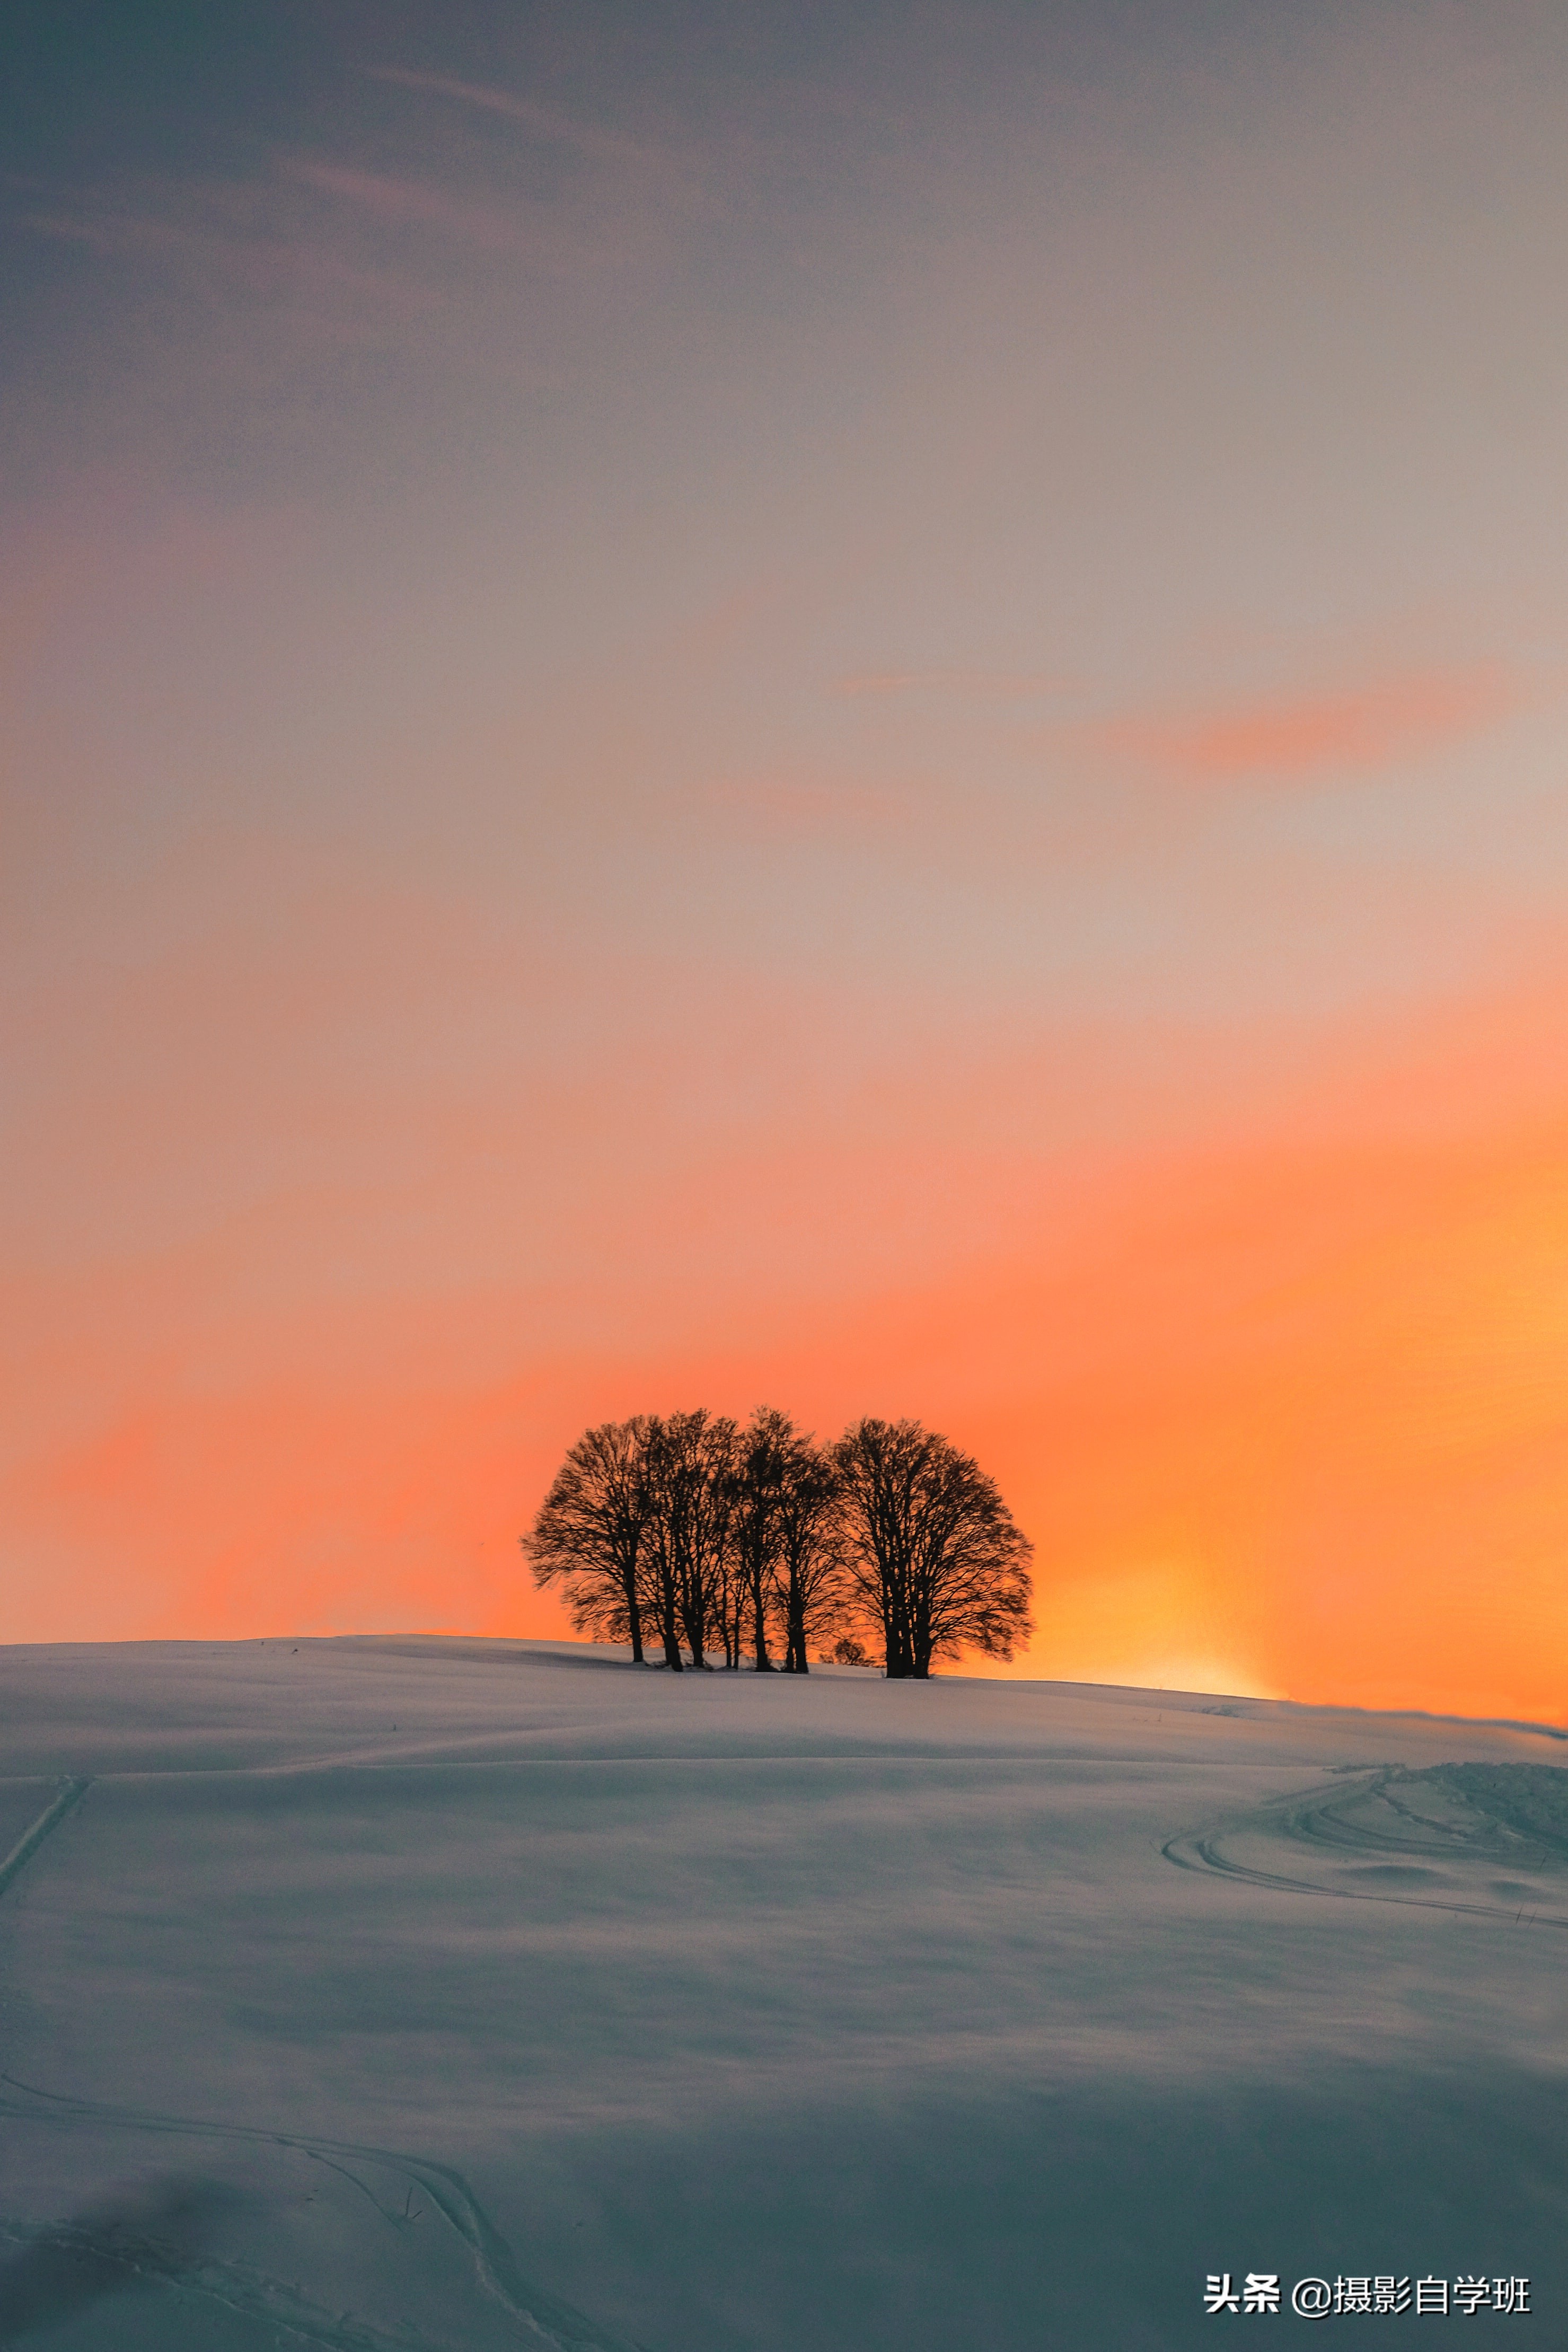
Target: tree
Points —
{"points": [[690, 1462], [784, 1569], [810, 1588], [593, 1528], [930, 1549], [761, 1466]]}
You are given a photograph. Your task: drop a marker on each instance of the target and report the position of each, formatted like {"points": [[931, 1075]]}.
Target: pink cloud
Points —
{"points": [[1294, 737]]}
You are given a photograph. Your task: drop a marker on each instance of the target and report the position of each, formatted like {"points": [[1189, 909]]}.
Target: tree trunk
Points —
{"points": [[668, 1624], [896, 1649], [760, 1627], [693, 1615]]}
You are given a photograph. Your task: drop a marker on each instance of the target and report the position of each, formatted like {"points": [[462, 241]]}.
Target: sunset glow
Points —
{"points": [[717, 712]]}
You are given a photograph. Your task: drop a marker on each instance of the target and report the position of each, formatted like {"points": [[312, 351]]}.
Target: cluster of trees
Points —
{"points": [[693, 1532]]}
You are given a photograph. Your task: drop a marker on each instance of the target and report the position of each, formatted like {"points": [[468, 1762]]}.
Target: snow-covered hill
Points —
{"points": [[394, 1992]]}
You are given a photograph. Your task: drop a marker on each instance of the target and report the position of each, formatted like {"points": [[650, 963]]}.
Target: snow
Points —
{"points": [[446, 1994]]}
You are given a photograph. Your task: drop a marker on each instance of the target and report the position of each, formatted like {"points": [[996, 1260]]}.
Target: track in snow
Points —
{"points": [[126, 2256], [1441, 1839], [59, 2267], [28, 1844]]}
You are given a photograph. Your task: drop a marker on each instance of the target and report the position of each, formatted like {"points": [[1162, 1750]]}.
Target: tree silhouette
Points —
{"points": [[811, 1592], [593, 1528], [687, 1523], [760, 1471], [691, 1460], [930, 1549]]}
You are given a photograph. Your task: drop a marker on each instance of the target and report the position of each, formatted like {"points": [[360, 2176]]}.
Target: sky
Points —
{"points": [[861, 708]]}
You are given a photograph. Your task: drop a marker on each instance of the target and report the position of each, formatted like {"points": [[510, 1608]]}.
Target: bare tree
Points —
{"points": [[591, 1534], [930, 1549], [663, 1559], [761, 1469], [691, 1525], [690, 1458], [811, 1590]]}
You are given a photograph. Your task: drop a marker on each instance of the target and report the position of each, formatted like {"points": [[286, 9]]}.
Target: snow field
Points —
{"points": [[422, 1993]]}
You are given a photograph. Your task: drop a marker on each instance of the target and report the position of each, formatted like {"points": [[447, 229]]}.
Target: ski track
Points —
{"points": [[28, 1844], [544, 2320], [1316, 1818]]}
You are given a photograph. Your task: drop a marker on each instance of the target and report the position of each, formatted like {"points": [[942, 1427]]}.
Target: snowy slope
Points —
{"points": [[459, 1994]]}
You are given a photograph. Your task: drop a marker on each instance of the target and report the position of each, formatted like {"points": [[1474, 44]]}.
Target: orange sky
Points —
{"points": [[1283, 1412], [663, 752]]}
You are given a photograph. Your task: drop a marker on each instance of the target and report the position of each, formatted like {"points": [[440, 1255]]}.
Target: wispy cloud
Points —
{"points": [[402, 203], [585, 138], [322, 256], [1294, 737]]}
